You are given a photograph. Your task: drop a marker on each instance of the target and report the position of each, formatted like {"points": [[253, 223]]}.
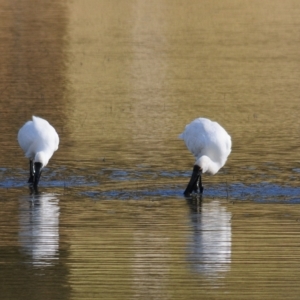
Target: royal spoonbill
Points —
{"points": [[210, 144], [39, 140]]}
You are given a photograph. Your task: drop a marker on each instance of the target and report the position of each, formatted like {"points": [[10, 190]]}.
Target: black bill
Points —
{"points": [[37, 173], [193, 184]]}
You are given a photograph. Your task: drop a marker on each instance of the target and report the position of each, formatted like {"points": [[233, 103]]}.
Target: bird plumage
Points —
{"points": [[209, 143], [204, 137], [39, 140], [38, 135]]}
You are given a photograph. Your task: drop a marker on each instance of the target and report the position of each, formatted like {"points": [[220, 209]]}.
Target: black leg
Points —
{"points": [[200, 184], [31, 172], [198, 188]]}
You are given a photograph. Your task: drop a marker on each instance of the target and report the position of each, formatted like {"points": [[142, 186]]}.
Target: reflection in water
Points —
{"points": [[210, 251], [39, 228]]}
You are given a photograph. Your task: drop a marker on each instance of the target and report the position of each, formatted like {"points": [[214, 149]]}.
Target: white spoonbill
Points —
{"points": [[210, 144], [39, 140]]}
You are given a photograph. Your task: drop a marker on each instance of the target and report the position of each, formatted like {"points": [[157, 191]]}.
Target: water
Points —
{"points": [[119, 81]]}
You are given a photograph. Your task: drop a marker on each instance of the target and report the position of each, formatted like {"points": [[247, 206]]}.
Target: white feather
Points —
{"points": [[39, 140], [209, 143]]}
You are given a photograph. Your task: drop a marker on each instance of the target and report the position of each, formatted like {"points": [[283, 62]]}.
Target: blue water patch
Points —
{"points": [[135, 194], [127, 175], [264, 192], [71, 181], [141, 175], [261, 192], [174, 174]]}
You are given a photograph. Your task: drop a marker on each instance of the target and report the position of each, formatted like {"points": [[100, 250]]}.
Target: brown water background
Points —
{"points": [[119, 80]]}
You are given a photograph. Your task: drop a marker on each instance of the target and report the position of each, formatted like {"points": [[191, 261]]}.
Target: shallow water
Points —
{"points": [[119, 82]]}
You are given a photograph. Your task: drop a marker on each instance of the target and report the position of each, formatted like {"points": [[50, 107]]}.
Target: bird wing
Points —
{"points": [[46, 132], [194, 138], [204, 137], [26, 136], [56, 139]]}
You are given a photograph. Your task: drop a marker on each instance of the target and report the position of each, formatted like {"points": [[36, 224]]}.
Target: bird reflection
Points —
{"points": [[210, 249], [39, 227]]}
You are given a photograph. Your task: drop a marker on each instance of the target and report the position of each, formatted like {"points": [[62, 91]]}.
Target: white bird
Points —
{"points": [[210, 144], [39, 140]]}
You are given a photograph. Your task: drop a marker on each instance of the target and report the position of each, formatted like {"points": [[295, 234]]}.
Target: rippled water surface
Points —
{"points": [[119, 80]]}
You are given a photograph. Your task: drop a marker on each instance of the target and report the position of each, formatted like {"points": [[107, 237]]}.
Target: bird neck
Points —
{"points": [[207, 165]]}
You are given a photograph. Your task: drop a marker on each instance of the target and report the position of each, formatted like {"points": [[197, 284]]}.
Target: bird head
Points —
{"points": [[207, 165], [41, 157], [40, 161]]}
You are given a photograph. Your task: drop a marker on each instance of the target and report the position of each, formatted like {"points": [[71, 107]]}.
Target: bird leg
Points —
{"points": [[31, 172], [198, 186], [193, 183]]}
